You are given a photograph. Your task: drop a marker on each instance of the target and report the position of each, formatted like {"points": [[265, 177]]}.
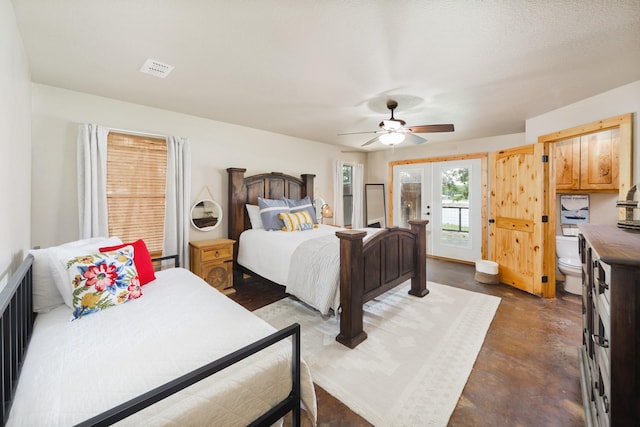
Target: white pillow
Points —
{"points": [[254, 217], [46, 295], [59, 255]]}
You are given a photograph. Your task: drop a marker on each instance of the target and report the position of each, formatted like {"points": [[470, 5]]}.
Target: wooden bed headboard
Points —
{"points": [[246, 190]]}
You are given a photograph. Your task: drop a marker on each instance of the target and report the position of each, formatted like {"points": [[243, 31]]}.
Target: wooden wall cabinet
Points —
{"points": [[588, 162], [213, 261], [609, 365]]}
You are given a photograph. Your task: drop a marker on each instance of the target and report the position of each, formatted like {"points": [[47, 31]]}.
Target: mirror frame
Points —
{"points": [[216, 207], [369, 203]]}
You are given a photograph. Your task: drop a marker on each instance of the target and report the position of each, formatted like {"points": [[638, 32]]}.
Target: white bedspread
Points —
{"points": [[75, 370], [307, 263], [268, 253]]}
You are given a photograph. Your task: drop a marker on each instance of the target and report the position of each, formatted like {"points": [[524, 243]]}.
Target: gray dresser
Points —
{"points": [[610, 354]]}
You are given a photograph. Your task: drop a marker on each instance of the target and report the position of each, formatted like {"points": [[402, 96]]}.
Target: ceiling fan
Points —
{"points": [[393, 131]]}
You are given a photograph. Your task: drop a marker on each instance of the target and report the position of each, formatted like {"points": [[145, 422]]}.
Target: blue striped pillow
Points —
{"points": [[269, 211], [302, 205]]}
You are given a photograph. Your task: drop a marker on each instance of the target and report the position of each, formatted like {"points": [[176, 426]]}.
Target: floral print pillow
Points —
{"points": [[102, 280]]}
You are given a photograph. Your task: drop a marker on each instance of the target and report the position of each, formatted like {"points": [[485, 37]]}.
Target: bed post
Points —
{"points": [[351, 288], [307, 189], [235, 213], [419, 280]]}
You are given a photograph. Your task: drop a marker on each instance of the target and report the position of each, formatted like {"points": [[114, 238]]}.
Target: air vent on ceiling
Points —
{"points": [[156, 68]]}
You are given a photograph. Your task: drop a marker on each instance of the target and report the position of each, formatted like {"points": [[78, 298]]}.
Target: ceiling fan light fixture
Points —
{"points": [[391, 138], [391, 124]]}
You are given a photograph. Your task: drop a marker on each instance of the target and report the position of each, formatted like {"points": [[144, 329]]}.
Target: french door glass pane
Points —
{"points": [[410, 195], [455, 207]]}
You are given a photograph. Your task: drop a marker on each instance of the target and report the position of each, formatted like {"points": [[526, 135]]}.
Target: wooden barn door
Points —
{"points": [[519, 182]]}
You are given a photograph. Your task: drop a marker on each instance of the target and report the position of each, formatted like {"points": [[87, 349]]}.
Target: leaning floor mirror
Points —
{"points": [[375, 207]]}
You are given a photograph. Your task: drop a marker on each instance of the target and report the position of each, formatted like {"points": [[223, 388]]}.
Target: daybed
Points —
{"points": [[388, 258], [104, 366]]}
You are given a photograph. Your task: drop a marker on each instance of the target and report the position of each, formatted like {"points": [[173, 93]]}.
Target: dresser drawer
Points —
{"points": [[223, 253], [603, 279]]}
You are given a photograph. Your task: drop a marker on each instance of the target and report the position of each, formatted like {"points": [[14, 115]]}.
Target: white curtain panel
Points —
{"points": [[92, 180], [176, 218], [338, 206], [357, 181]]}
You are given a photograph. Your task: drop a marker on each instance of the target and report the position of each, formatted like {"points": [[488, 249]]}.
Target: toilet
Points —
{"points": [[568, 262]]}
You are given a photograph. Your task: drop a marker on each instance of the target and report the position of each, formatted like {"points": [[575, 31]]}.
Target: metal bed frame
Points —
{"points": [[17, 320]]}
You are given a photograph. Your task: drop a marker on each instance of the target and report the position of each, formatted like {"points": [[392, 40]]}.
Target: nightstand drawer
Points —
{"points": [[217, 254]]}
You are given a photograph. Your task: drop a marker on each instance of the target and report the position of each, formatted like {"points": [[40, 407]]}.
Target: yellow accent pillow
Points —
{"points": [[297, 221]]}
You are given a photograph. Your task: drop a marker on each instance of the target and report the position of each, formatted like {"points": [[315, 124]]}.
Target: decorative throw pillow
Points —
{"points": [[299, 221], [102, 280], [254, 217], [141, 258], [302, 205], [58, 256], [269, 211]]}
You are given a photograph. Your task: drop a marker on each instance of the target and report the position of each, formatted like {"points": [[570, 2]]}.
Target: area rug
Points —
{"points": [[413, 366]]}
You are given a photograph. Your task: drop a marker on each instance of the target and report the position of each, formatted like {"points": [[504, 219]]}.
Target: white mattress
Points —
{"points": [[75, 370], [268, 253]]}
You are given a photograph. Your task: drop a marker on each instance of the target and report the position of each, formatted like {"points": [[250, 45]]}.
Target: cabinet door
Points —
{"points": [[567, 161], [599, 160], [219, 275]]}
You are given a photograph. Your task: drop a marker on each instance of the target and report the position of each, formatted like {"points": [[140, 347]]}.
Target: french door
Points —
{"points": [[449, 195]]}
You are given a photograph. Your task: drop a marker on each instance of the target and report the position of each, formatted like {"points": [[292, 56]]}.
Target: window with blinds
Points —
{"points": [[136, 180]]}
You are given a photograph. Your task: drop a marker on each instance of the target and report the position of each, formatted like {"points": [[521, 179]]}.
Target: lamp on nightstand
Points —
{"points": [[327, 212]]}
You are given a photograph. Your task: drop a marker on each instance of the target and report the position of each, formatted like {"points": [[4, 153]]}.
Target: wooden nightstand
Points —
{"points": [[213, 261]]}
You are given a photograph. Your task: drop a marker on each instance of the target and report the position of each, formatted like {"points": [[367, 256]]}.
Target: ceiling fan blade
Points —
{"points": [[369, 142], [431, 128], [355, 133], [414, 139]]}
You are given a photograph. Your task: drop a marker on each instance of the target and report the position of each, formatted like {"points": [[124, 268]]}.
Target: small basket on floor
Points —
{"points": [[486, 272]]}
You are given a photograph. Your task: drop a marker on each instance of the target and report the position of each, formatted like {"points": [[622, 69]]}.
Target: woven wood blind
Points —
{"points": [[136, 180]]}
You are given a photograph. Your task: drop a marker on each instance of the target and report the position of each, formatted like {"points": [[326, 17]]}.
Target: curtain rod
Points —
{"points": [[135, 132]]}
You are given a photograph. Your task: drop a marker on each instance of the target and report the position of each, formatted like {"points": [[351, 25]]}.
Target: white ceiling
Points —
{"points": [[316, 68]]}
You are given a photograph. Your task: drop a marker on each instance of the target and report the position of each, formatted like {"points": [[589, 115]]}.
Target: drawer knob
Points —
{"points": [[217, 254], [600, 341]]}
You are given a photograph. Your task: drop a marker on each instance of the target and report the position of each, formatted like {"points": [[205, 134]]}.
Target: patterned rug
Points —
{"points": [[413, 366]]}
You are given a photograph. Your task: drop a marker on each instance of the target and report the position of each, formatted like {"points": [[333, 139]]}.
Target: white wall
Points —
{"points": [[215, 146], [15, 146]]}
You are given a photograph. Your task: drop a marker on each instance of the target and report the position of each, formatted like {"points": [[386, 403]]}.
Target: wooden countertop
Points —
{"points": [[614, 245]]}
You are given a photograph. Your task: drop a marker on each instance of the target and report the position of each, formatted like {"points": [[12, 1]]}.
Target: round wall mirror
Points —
{"points": [[206, 215]]}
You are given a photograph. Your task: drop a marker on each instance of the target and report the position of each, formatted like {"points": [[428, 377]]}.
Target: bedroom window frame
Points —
{"points": [[136, 188]]}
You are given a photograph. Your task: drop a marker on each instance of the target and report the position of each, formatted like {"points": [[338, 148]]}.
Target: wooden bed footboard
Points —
{"points": [[17, 321], [388, 259]]}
